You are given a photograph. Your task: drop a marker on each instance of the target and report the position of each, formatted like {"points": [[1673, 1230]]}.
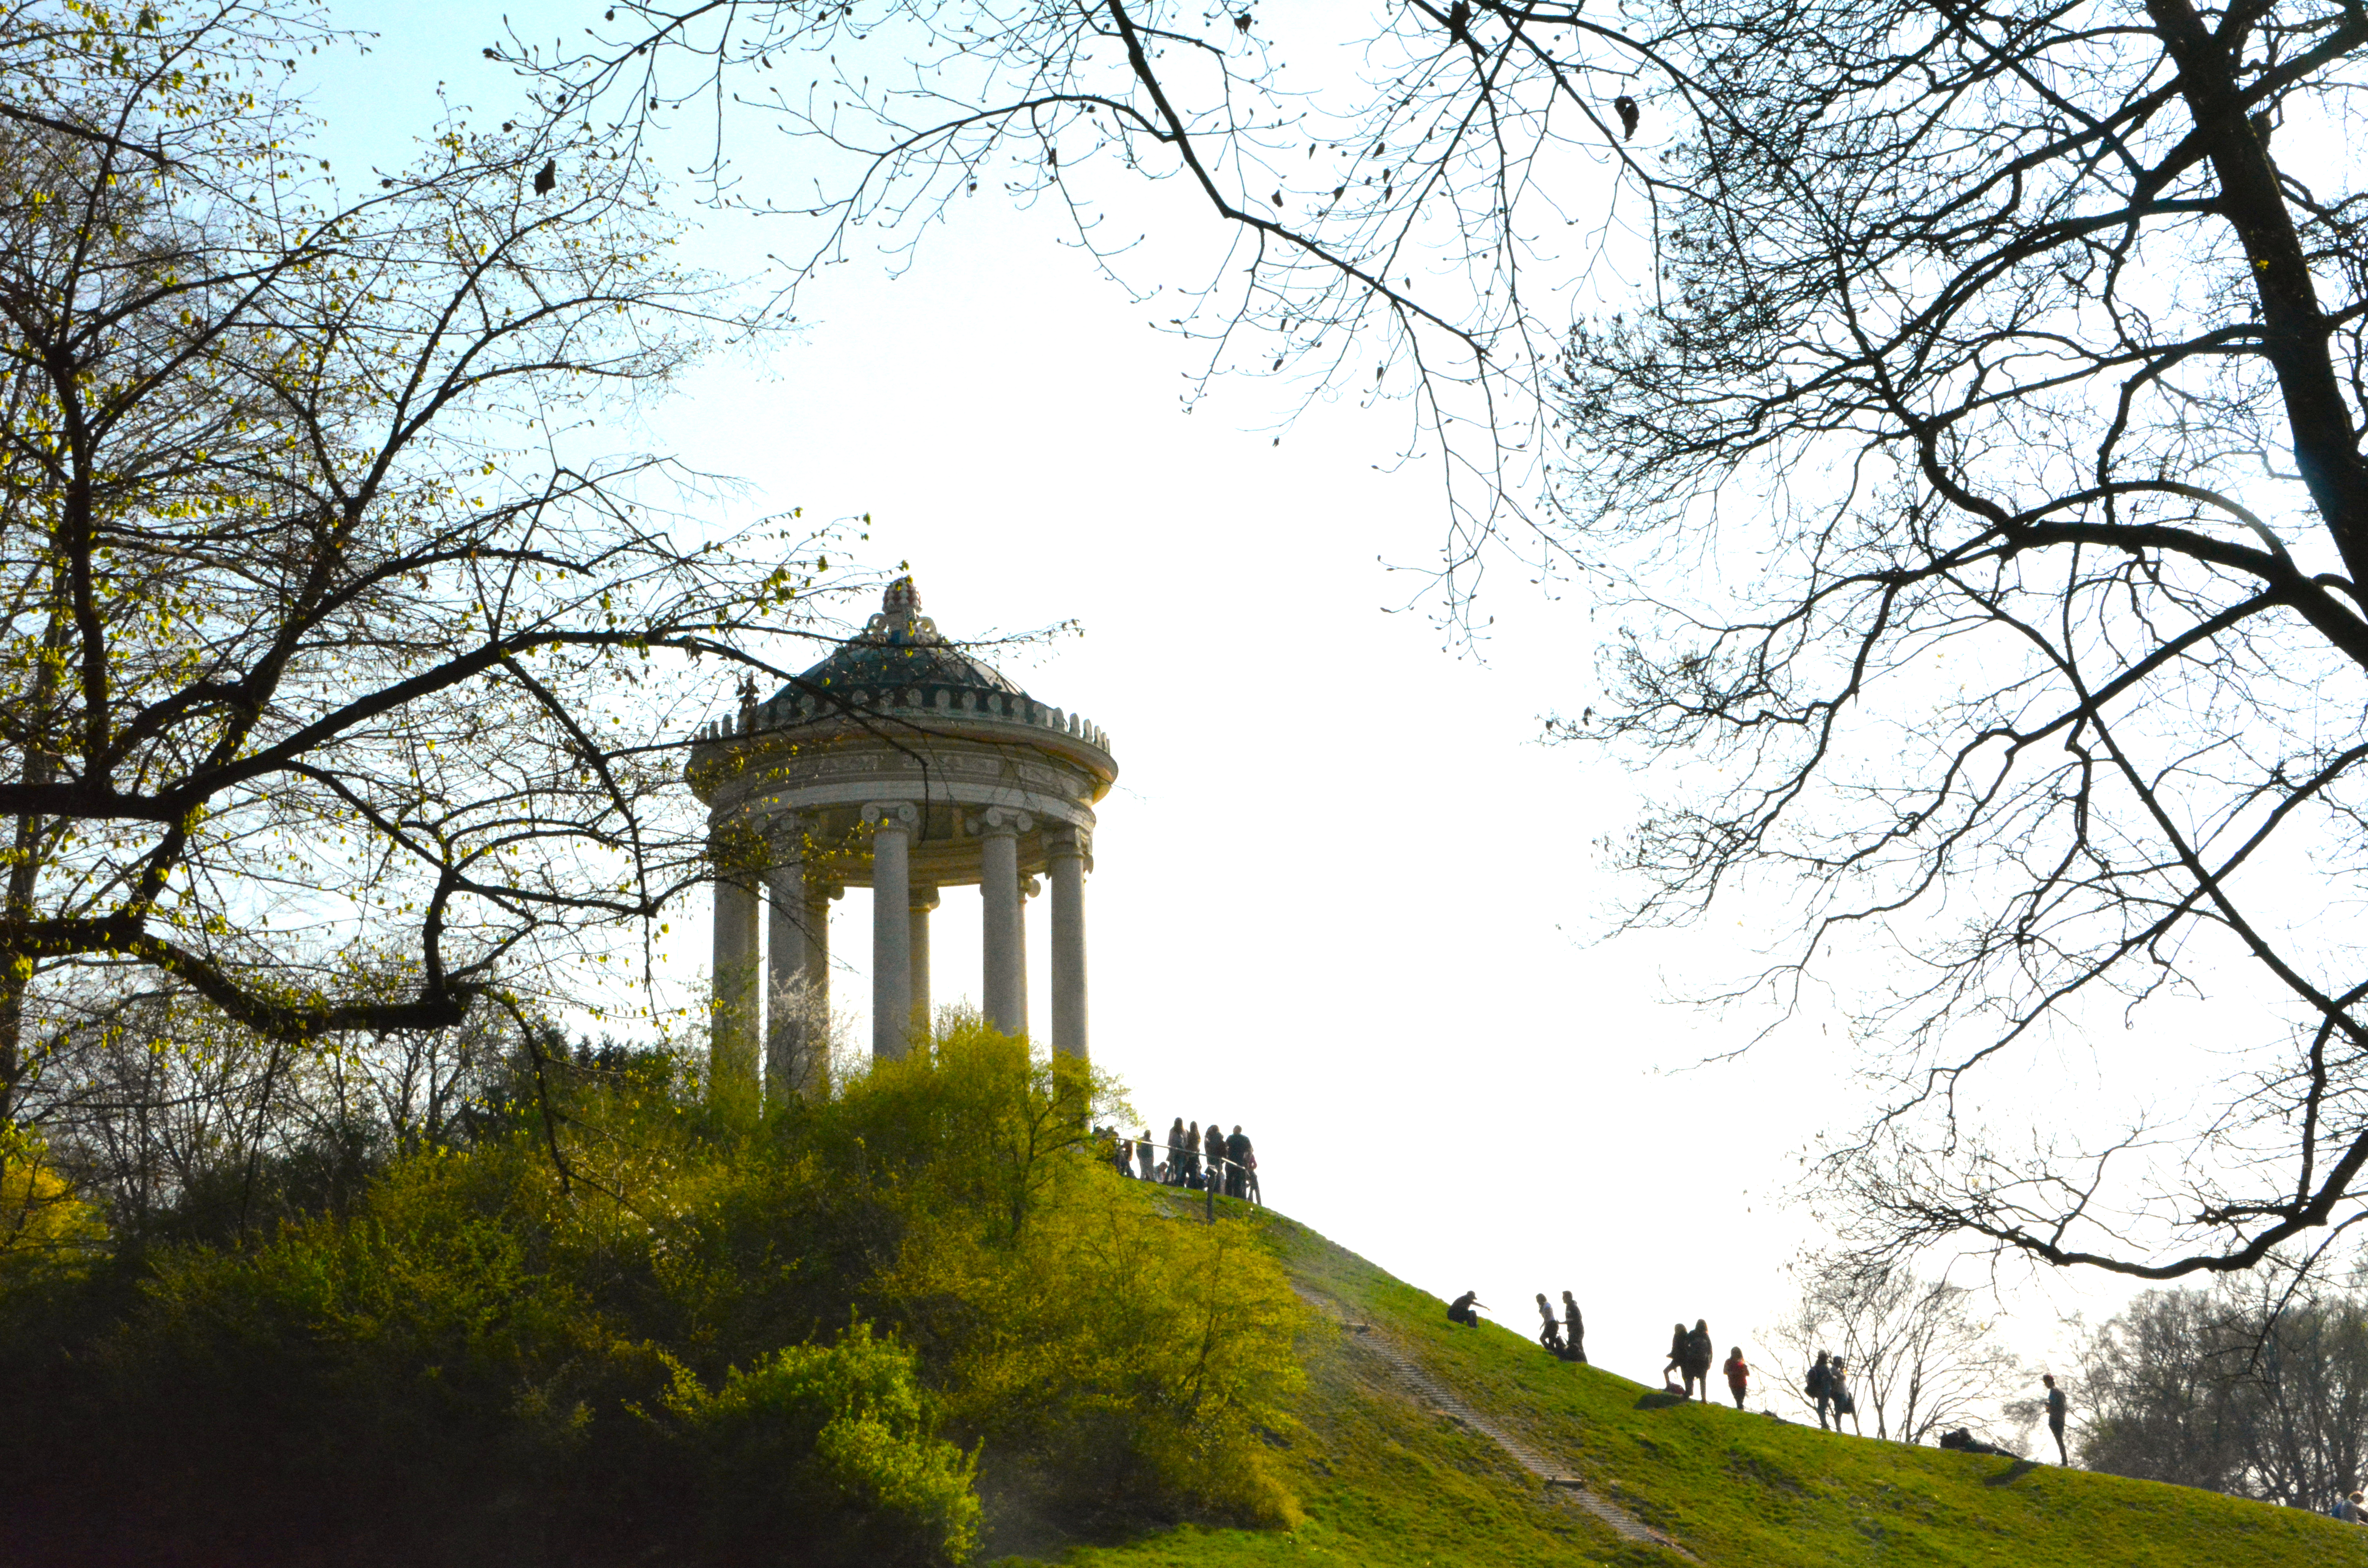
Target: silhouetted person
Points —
{"points": [[1213, 1143], [1192, 1156], [1459, 1309], [1143, 1154], [1700, 1354], [1738, 1374], [1549, 1330], [2056, 1403], [1575, 1327], [1820, 1385], [1237, 1166], [1175, 1153], [1677, 1354], [1838, 1384], [1124, 1158]]}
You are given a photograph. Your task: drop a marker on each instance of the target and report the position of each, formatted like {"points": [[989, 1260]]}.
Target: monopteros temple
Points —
{"points": [[903, 765]]}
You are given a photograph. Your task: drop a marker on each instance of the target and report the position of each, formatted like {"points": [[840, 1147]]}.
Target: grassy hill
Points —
{"points": [[1387, 1481]]}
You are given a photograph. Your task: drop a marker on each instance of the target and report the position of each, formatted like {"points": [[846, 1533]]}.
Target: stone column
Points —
{"points": [[1069, 849], [797, 1011], [819, 894], [1029, 888], [925, 899], [892, 823], [1006, 982], [733, 1026]]}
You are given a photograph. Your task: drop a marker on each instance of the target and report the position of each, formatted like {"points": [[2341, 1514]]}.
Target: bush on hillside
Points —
{"points": [[639, 1327]]}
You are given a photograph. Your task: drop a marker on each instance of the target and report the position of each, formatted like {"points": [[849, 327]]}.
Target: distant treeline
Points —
{"points": [[554, 1307], [2257, 1387]]}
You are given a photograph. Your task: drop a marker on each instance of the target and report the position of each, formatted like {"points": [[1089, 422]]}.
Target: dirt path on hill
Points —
{"points": [[1411, 1378]]}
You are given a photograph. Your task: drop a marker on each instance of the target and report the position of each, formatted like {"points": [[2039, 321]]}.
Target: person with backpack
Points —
{"points": [[1677, 1357], [1575, 1327], [1700, 1354], [1738, 1374], [2055, 1403], [1819, 1386]]}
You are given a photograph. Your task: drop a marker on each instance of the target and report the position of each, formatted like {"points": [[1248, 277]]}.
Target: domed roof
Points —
{"points": [[898, 647], [883, 691]]}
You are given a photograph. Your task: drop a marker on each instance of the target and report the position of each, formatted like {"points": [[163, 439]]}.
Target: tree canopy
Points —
{"points": [[341, 647], [1959, 406]]}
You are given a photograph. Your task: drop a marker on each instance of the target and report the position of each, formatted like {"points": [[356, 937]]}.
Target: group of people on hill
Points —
{"points": [[1211, 1161], [1691, 1353]]}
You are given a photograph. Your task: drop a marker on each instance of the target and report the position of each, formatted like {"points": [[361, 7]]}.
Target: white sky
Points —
{"points": [[1341, 893]]}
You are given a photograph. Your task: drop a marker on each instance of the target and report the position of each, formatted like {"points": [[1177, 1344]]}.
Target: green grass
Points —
{"points": [[1387, 1483]]}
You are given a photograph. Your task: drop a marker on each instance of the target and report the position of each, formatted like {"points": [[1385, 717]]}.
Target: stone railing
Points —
{"points": [[918, 700]]}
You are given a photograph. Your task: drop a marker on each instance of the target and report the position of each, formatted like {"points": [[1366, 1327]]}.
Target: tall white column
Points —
{"points": [[925, 899], [819, 894], [1069, 849], [892, 823], [1006, 981], [732, 1030], [1029, 888], [797, 988]]}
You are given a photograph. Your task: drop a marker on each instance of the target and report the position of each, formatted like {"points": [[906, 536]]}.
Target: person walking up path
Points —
{"points": [[1738, 1374], [2056, 1406]]}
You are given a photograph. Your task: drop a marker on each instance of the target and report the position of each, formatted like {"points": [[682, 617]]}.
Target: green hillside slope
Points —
{"points": [[1388, 1479]]}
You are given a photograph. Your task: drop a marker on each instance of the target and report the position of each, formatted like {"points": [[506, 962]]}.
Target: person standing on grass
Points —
{"points": [[1677, 1353], [1575, 1327], [1838, 1384], [1819, 1386], [1192, 1156], [1739, 1375], [2055, 1404], [1123, 1153], [1549, 1330], [1176, 1147], [1237, 1163], [1143, 1154], [1215, 1141], [1698, 1356]]}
